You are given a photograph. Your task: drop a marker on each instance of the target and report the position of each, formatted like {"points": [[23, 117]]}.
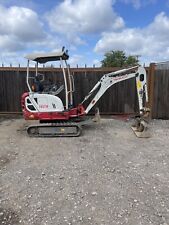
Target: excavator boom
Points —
{"points": [[110, 79]]}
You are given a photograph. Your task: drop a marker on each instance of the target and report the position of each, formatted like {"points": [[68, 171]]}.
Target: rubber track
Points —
{"points": [[35, 130]]}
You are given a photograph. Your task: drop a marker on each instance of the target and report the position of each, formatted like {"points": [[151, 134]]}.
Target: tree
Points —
{"points": [[118, 59], [132, 60]]}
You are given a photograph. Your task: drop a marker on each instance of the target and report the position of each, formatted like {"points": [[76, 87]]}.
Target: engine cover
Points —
{"points": [[37, 102]]}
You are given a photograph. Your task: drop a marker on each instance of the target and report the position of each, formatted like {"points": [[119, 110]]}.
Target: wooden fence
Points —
{"points": [[159, 91], [119, 99]]}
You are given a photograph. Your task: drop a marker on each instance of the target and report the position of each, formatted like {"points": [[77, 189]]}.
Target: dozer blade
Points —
{"points": [[54, 130], [140, 128]]}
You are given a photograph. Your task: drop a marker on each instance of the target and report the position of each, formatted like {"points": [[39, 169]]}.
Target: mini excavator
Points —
{"points": [[66, 120]]}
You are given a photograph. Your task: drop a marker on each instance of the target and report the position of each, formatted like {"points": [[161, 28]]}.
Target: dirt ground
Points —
{"points": [[107, 176]]}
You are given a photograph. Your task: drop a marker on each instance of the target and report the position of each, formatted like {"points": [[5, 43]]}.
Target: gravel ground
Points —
{"points": [[105, 177]]}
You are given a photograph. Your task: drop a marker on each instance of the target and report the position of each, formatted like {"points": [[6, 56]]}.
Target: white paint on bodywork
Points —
{"points": [[45, 103]]}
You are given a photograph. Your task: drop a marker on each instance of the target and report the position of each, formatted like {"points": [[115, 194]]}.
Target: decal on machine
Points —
{"points": [[43, 106], [120, 78]]}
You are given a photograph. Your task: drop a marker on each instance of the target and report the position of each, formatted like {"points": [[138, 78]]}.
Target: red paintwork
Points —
{"points": [[65, 115]]}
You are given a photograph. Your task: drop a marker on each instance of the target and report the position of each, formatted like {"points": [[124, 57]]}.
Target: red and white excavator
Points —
{"points": [[57, 119]]}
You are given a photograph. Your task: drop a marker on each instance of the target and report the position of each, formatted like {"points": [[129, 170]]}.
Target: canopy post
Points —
{"points": [[36, 69], [27, 77], [65, 81], [70, 84]]}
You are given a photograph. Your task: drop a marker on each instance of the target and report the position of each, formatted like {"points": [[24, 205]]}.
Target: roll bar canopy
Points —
{"points": [[47, 57], [61, 56]]}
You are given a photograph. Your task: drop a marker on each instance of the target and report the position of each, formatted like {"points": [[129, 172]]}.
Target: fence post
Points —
{"points": [[151, 81]]}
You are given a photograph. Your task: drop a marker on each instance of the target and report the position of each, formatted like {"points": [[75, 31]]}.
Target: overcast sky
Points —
{"points": [[87, 28]]}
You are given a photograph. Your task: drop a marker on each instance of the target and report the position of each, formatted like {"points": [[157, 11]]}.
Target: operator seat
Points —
{"points": [[38, 86]]}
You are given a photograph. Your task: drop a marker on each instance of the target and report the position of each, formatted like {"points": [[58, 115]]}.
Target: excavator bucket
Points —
{"points": [[97, 117], [140, 128]]}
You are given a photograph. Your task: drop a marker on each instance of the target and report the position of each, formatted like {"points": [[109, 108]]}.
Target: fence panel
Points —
{"points": [[160, 106]]}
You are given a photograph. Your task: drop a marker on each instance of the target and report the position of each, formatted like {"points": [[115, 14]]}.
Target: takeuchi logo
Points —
{"points": [[120, 78]]}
